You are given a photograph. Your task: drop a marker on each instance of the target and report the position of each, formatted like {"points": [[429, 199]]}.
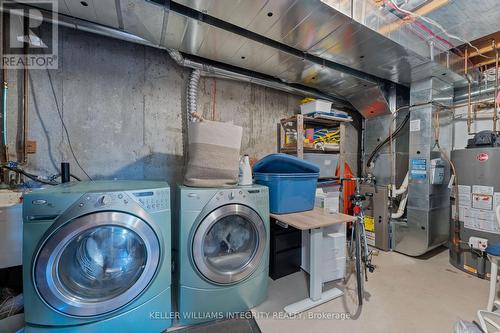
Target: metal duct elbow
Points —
{"points": [[176, 56], [192, 95]]}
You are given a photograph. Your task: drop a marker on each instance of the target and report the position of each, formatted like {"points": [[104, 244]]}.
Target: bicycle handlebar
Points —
{"points": [[360, 180]]}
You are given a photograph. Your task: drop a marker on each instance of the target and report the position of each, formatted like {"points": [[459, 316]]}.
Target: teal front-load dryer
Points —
{"points": [[97, 257], [222, 251]]}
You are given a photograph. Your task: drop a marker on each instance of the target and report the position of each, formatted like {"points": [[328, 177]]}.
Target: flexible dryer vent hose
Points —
{"points": [[192, 95]]}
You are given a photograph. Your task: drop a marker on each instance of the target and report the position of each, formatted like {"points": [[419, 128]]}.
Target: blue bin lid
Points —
{"points": [[284, 163]]}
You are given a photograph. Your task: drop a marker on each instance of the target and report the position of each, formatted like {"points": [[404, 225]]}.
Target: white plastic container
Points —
{"points": [[316, 106], [245, 177], [333, 254], [327, 163], [334, 269], [329, 201]]}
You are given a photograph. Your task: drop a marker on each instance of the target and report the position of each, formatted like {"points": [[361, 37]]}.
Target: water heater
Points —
{"points": [[478, 194]]}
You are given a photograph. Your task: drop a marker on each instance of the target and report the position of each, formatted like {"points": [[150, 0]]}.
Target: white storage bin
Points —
{"points": [[318, 105], [333, 252], [334, 269], [334, 245], [329, 201], [327, 163]]}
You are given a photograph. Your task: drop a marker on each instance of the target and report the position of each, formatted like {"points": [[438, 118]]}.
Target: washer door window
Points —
{"points": [[229, 244], [96, 263]]}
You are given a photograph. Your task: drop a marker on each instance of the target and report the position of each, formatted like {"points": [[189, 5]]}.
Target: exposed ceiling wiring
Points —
{"points": [[440, 27], [398, 12]]}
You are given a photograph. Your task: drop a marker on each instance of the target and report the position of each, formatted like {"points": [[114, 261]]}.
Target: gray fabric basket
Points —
{"points": [[214, 153]]}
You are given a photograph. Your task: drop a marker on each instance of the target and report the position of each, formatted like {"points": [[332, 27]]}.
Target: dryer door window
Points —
{"points": [[229, 244], [96, 263]]}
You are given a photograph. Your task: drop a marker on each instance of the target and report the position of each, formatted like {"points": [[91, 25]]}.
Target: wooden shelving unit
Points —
{"points": [[300, 123]]}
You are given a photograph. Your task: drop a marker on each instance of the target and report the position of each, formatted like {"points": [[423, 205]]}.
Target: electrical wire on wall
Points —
{"points": [[64, 127]]}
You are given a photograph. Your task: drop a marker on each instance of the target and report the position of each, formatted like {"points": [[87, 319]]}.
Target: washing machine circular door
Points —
{"points": [[229, 244], [96, 263]]}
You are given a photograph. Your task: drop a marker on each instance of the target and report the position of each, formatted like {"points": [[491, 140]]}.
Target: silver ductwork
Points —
{"points": [[428, 206], [206, 70], [217, 72], [462, 95], [192, 95]]}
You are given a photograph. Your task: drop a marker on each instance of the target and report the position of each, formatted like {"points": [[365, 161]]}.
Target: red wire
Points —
{"points": [[422, 26]]}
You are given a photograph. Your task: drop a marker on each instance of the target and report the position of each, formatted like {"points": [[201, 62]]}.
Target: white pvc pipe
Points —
{"points": [[404, 187]]}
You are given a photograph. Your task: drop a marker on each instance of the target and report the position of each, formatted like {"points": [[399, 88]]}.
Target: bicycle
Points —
{"points": [[358, 246]]}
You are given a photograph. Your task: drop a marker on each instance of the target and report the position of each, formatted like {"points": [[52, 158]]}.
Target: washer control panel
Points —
{"points": [[152, 200]]}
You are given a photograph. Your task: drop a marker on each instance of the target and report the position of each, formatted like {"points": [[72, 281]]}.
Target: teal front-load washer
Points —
{"points": [[97, 257], [222, 251]]}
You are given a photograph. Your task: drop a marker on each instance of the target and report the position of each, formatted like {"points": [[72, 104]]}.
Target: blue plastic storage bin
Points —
{"points": [[291, 182]]}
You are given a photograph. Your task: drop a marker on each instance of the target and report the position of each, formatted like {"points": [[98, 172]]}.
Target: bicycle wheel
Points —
{"points": [[358, 255], [366, 256]]}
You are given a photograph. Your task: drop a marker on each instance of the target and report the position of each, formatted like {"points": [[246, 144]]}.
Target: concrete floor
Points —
{"points": [[405, 294]]}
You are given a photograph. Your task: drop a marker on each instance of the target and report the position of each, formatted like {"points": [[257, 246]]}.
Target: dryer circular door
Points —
{"points": [[96, 263], [229, 243]]}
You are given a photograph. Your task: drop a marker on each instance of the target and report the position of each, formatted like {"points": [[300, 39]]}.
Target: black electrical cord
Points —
{"points": [[64, 126], [35, 177], [383, 143], [29, 175], [71, 175], [75, 177]]}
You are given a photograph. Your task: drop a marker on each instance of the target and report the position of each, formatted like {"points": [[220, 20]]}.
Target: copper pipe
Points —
{"points": [[495, 116], [474, 109], [469, 113]]}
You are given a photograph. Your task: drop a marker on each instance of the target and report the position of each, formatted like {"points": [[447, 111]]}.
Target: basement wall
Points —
{"points": [[124, 109]]}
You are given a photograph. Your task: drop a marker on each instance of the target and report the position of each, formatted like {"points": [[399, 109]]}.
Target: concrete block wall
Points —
{"points": [[124, 109]]}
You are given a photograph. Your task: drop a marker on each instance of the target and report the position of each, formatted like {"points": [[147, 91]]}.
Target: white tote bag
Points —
{"points": [[214, 153]]}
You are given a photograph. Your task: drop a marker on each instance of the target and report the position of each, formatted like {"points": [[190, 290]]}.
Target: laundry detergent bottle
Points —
{"points": [[245, 171]]}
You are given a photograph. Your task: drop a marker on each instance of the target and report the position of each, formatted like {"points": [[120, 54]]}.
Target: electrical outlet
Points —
{"points": [[478, 243]]}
